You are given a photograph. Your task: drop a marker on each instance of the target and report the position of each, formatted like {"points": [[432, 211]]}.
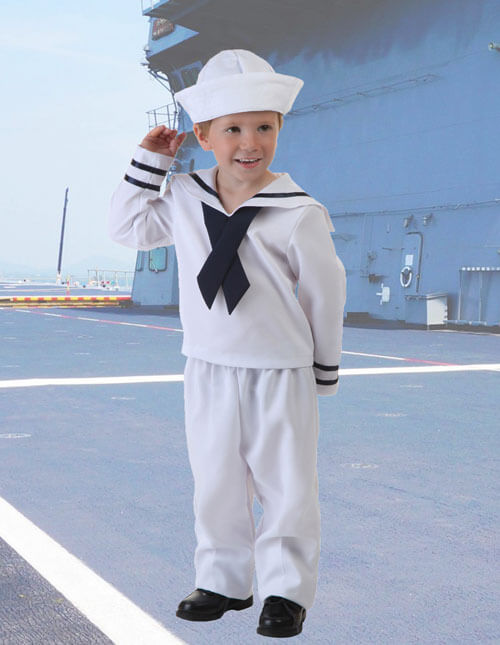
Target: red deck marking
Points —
{"points": [[102, 320], [396, 358], [116, 322], [421, 360]]}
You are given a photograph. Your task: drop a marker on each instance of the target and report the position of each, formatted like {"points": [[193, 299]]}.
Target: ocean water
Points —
{"points": [[108, 279]]}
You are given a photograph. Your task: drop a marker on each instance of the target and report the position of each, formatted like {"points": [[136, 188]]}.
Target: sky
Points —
{"points": [[74, 102]]}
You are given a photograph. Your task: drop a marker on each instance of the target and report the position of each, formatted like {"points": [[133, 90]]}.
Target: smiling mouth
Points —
{"points": [[248, 162]]}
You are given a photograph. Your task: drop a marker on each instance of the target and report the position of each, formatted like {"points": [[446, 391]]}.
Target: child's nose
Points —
{"points": [[248, 141]]}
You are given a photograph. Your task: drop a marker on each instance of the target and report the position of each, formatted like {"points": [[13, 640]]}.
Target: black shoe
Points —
{"points": [[280, 618], [208, 605]]}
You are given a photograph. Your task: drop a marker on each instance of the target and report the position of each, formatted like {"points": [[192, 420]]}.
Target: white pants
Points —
{"points": [[254, 431]]}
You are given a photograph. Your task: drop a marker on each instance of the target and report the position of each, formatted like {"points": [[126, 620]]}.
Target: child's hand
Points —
{"points": [[163, 140]]}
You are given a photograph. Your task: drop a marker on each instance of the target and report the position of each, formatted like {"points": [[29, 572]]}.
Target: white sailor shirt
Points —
{"points": [[291, 314]]}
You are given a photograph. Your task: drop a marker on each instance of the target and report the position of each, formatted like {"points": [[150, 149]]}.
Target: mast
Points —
{"points": [[58, 279]]}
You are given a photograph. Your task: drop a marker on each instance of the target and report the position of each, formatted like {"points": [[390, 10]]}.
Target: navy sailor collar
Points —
{"points": [[281, 192]]}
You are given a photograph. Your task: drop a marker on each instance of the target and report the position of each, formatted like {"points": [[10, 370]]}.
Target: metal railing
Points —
{"points": [[165, 114], [110, 279]]}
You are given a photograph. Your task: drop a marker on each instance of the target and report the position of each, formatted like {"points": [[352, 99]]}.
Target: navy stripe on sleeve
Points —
{"points": [[142, 184], [320, 381], [143, 166], [326, 368]]}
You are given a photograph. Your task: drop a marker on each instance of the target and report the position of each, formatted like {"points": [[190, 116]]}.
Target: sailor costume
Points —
{"points": [[262, 294]]}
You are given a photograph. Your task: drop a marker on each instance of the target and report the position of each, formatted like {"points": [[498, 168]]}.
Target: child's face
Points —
{"points": [[246, 135]]}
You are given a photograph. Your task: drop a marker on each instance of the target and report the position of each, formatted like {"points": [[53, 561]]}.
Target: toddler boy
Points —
{"points": [[262, 294]]}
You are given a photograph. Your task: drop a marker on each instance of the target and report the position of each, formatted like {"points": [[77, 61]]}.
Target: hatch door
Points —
{"points": [[411, 258]]}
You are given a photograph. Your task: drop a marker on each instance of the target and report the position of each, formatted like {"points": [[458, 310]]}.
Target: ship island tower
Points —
{"points": [[400, 125]]}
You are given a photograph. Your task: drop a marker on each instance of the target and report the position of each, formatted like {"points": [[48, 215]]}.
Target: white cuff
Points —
{"points": [[148, 169]]}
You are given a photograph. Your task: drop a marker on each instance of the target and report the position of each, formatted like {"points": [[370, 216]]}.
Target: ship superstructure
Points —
{"points": [[395, 130]]}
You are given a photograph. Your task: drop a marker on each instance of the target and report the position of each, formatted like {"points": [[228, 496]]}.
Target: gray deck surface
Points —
{"points": [[32, 611], [408, 467]]}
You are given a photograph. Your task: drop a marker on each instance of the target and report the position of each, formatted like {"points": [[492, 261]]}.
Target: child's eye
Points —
{"points": [[233, 127], [267, 127]]}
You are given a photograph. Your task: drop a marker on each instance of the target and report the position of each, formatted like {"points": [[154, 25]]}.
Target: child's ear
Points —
{"points": [[202, 140]]}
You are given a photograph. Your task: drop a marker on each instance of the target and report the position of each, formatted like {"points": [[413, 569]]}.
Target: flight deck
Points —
{"points": [[93, 458]]}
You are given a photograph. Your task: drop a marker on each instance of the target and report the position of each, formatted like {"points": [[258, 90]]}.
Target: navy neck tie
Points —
{"points": [[223, 268]]}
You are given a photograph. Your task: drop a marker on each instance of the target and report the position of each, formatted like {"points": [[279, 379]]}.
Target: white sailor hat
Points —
{"points": [[237, 80]]}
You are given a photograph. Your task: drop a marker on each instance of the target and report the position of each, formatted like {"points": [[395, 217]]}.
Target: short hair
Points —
{"points": [[205, 125]]}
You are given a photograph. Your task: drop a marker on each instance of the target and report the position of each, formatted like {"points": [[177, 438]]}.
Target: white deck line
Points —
{"points": [[92, 380], [393, 358], [419, 369], [174, 378], [109, 610]]}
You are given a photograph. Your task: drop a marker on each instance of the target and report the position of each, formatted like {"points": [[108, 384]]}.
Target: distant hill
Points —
{"points": [[18, 270]]}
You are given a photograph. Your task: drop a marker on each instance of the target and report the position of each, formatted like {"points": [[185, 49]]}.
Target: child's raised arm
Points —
{"points": [[139, 218]]}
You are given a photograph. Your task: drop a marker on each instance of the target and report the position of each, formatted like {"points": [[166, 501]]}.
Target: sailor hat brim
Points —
{"points": [[235, 93]]}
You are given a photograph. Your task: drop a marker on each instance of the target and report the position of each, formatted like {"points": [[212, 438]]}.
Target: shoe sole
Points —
{"points": [[236, 605], [278, 633]]}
